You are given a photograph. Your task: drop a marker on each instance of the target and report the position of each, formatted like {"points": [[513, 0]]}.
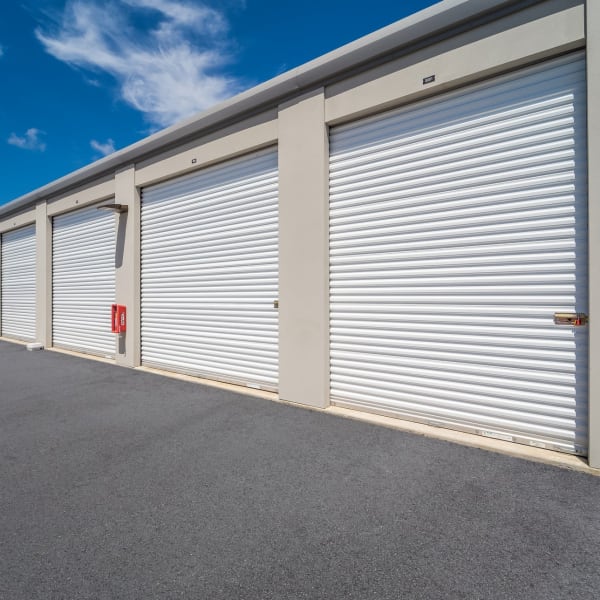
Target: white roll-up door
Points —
{"points": [[18, 283], [83, 281], [210, 272], [457, 230]]}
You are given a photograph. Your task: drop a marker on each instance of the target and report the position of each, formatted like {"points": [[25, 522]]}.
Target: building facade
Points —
{"points": [[406, 226]]}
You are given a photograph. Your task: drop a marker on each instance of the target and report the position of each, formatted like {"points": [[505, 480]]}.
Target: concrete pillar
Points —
{"points": [[43, 275], [593, 117], [303, 251], [127, 266]]}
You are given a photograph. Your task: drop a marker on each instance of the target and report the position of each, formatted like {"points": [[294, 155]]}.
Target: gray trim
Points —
{"points": [[43, 282], [593, 116], [304, 251], [432, 21]]}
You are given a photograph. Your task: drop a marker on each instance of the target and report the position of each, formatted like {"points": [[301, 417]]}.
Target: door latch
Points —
{"points": [[573, 319]]}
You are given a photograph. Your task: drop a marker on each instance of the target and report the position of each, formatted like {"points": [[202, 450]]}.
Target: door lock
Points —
{"points": [[573, 319]]}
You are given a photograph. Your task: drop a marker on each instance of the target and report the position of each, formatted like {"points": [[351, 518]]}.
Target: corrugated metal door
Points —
{"points": [[83, 281], [210, 272], [457, 230], [18, 283]]}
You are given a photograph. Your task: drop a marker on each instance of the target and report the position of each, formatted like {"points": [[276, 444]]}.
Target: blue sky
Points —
{"points": [[82, 78]]}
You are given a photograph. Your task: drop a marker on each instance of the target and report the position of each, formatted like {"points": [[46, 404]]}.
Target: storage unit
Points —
{"points": [[458, 227], [83, 281], [210, 271], [18, 283]]}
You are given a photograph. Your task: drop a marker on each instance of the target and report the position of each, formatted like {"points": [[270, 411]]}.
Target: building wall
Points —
{"points": [[593, 108], [299, 126]]}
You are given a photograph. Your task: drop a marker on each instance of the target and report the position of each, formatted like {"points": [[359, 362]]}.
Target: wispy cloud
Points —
{"points": [[1, 51], [169, 70], [30, 141], [105, 149]]}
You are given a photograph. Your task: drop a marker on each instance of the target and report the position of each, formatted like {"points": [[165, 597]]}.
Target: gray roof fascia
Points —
{"points": [[443, 15]]}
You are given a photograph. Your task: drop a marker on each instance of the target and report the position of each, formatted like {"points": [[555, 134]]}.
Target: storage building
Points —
{"points": [[405, 226]]}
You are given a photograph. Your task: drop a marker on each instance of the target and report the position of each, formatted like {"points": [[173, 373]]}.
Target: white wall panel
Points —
{"points": [[210, 272], [83, 281], [457, 230], [18, 283]]}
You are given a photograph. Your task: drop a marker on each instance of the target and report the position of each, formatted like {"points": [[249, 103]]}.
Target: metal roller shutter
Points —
{"points": [[83, 281], [18, 283], [457, 230], [210, 272]]}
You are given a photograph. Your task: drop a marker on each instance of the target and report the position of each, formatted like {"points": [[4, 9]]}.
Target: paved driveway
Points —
{"points": [[123, 484]]}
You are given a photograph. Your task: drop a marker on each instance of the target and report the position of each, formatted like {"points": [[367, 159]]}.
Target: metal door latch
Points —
{"points": [[275, 303], [573, 319]]}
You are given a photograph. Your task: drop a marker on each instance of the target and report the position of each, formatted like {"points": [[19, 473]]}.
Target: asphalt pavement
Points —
{"points": [[116, 483]]}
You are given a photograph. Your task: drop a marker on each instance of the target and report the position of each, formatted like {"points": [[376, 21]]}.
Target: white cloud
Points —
{"points": [[104, 149], [30, 141], [168, 71]]}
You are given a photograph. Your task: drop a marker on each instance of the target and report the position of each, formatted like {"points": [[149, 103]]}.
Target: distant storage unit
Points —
{"points": [[18, 283], [83, 280], [406, 226]]}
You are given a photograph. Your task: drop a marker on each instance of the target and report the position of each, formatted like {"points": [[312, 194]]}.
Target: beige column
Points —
{"points": [[127, 266], [43, 275], [593, 114], [303, 251]]}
